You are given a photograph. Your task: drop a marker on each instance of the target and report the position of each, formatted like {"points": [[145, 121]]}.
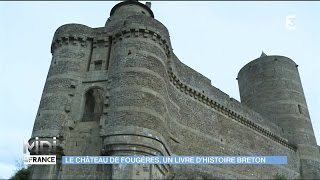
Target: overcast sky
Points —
{"points": [[214, 38]]}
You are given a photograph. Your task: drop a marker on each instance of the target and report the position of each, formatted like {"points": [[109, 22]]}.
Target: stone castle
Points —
{"points": [[120, 90]]}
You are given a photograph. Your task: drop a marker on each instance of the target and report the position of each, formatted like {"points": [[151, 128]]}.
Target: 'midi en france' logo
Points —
{"points": [[42, 149]]}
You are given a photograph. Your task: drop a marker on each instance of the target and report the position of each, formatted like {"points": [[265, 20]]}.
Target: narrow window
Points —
{"points": [[300, 109], [97, 65], [90, 103]]}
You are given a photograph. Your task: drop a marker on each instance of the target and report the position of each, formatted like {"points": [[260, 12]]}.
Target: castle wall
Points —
{"points": [[202, 84], [199, 126], [120, 90]]}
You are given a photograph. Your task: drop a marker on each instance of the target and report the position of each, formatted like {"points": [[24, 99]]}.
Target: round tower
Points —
{"points": [[271, 86], [136, 113], [71, 49]]}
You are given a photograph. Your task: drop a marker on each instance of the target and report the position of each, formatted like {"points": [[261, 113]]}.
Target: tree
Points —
{"points": [[22, 171]]}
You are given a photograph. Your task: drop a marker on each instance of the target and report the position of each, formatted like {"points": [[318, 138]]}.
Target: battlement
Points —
{"points": [[76, 34], [142, 33], [74, 40]]}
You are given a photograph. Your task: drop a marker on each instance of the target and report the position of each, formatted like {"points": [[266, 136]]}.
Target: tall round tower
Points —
{"points": [[136, 113], [271, 86], [71, 50]]}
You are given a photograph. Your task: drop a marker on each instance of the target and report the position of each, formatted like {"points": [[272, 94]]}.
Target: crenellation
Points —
{"points": [[65, 40], [73, 40], [100, 42], [144, 33], [155, 36]]}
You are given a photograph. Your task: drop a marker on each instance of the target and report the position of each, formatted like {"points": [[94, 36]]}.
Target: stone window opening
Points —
{"points": [[93, 106], [98, 65], [300, 109]]}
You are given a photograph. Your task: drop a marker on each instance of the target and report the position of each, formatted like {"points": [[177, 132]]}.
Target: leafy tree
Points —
{"points": [[22, 174], [22, 171]]}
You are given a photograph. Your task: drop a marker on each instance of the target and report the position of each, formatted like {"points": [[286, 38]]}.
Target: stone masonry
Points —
{"points": [[120, 90]]}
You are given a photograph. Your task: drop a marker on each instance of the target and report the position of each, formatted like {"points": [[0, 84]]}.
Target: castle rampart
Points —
{"points": [[120, 90]]}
